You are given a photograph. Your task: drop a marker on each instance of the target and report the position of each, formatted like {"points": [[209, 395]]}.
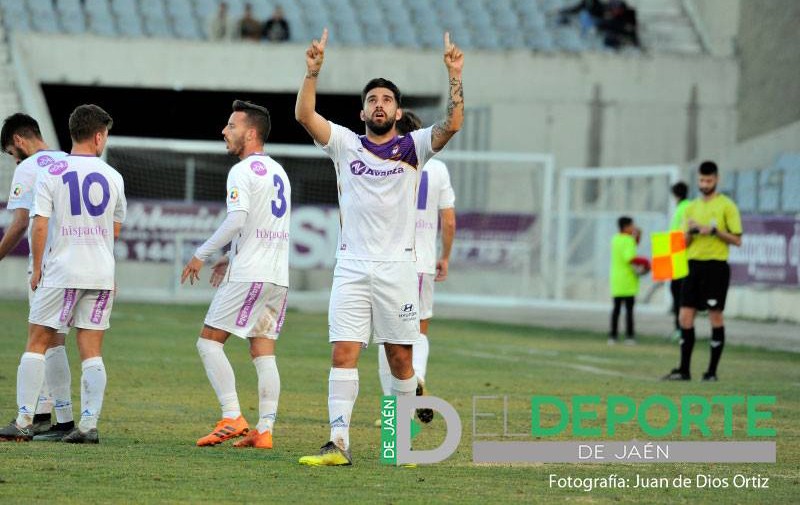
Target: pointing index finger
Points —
{"points": [[324, 39], [447, 44]]}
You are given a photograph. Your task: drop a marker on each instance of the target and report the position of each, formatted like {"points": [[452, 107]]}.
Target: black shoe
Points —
{"points": [[710, 377], [77, 436], [13, 433], [677, 375], [424, 415], [56, 433], [41, 423]]}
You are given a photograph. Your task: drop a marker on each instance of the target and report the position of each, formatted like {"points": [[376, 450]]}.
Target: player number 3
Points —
{"points": [[71, 180]]}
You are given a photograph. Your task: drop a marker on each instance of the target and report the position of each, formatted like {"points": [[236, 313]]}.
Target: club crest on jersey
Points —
{"points": [[233, 196], [395, 150], [258, 168], [44, 160], [58, 167], [17, 190]]}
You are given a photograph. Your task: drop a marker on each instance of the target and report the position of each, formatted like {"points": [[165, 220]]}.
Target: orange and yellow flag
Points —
{"points": [[669, 256]]}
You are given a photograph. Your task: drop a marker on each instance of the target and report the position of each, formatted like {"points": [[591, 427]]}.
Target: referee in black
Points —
{"points": [[711, 223]]}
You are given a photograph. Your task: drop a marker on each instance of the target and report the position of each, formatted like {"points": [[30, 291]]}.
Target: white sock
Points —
{"points": [[420, 356], [30, 377], [220, 374], [404, 387], [269, 389], [384, 373], [59, 378], [44, 404], [342, 394], [93, 387]]}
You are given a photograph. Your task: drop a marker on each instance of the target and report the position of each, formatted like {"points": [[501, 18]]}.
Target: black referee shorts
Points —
{"points": [[706, 287]]}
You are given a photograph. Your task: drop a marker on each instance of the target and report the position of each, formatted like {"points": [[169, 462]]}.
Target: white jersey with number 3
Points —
{"points": [[259, 186], [435, 194], [377, 193], [83, 196]]}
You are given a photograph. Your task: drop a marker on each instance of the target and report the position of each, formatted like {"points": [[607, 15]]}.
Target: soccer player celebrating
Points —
{"points": [[435, 200], [85, 198], [22, 139], [251, 299], [712, 223], [374, 288]]}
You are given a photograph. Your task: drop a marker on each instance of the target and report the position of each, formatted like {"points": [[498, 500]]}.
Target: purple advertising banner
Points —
{"points": [[770, 252]]}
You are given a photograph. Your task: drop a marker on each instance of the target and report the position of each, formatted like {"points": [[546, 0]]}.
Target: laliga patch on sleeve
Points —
{"points": [[233, 195]]}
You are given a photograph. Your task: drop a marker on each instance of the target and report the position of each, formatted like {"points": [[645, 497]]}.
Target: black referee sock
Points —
{"points": [[717, 344], [687, 346]]}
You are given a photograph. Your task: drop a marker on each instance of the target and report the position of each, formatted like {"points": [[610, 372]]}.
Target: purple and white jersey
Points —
{"points": [[377, 193], [259, 186], [435, 194], [83, 197], [23, 186]]}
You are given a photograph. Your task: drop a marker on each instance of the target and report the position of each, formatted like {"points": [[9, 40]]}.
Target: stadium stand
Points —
{"points": [[770, 190], [493, 25]]}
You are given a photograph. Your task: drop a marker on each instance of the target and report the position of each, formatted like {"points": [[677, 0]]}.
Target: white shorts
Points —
{"points": [[426, 282], [79, 308], [374, 298], [248, 309], [62, 329]]}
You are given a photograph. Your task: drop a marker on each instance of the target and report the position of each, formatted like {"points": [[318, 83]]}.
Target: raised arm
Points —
{"points": [[446, 128], [305, 109]]}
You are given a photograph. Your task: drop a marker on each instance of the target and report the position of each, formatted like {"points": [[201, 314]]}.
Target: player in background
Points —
{"points": [[680, 191], [712, 224], [73, 283], [21, 138], [375, 289], [435, 202], [251, 299]]}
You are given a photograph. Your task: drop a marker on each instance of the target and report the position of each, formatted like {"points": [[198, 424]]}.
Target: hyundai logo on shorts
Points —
{"points": [[408, 307]]}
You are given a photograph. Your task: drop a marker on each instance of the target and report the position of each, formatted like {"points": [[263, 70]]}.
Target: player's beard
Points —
{"points": [[709, 190], [235, 146], [379, 129]]}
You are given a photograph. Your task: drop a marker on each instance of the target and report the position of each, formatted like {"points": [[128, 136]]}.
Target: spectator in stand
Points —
{"points": [[249, 27], [619, 25], [276, 28], [219, 26], [589, 13]]}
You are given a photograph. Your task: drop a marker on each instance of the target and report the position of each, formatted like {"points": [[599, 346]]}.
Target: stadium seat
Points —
{"points": [[789, 163], [73, 22], [69, 7], [124, 8], [744, 189], [770, 181], [130, 25]]}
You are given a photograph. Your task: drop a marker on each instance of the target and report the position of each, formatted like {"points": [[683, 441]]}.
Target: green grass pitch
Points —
{"points": [[158, 402]]}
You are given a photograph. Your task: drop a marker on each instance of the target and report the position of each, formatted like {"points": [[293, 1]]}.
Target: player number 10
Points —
{"points": [[71, 180]]}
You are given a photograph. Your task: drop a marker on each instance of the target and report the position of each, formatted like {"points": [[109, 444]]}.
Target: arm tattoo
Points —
{"points": [[455, 101]]}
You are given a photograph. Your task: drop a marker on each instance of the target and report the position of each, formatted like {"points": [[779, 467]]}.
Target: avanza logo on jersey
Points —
{"points": [[44, 160], [358, 167]]}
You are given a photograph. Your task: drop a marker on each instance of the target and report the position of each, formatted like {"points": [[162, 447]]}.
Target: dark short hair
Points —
{"points": [[624, 221], [707, 168], [680, 190], [380, 82], [87, 120], [408, 123], [257, 117], [19, 124]]}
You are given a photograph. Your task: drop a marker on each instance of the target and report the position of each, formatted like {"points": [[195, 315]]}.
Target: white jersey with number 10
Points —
{"points": [[84, 196], [435, 194]]}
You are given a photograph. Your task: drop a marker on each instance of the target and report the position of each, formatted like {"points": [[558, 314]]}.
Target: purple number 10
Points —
{"points": [[71, 180]]}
